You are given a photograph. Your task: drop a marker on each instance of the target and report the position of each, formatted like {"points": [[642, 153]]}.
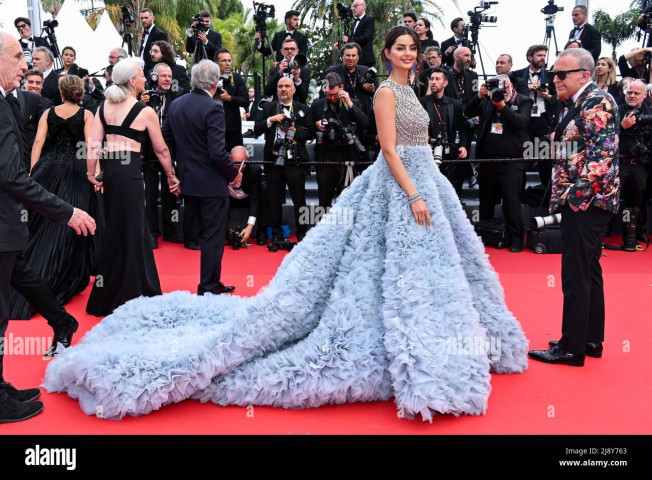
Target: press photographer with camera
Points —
{"points": [[289, 32], [338, 119], [502, 133], [458, 40], [462, 82], [286, 126], [447, 127], [231, 90], [634, 162], [201, 41], [636, 64], [362, 30], [292, 66], [159, 96], [162, 52], [27, 42], [151, 34]]}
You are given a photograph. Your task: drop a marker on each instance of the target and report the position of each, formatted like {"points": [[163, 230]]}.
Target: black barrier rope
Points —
{"points": [[457, 160]]}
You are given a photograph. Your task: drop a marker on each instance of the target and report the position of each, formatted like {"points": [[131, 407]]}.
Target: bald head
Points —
{"points": [[462, 57], [12, 63], [239, 154], [635, 93], [285, 90]]}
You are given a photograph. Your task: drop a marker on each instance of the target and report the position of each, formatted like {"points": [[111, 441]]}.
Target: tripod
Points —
{"points": [[263, 42], [57, 64], [550, 33], [127, 38], [347, 25], [474, 45]]}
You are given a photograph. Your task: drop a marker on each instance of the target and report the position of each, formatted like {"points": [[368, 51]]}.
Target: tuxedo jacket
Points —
{"points": [[454, 118], [155, 35], [591, 39], [214, 44], [253, 184], [17, 188], [279, 38], [304, 132], [51, 88], [366, 99], [302, 90], [448, 60], [38, 42], [552, 109], [32, 107], [148, 148], [237, 88], [364, 36], [180, 74], [195, 130], [471, 86]]}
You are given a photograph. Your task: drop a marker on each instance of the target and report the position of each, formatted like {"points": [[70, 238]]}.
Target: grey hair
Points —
{"points": [[159, 66], [204, 75], [511, 60], [582, 8], [122, 53], [432, 49], [2, 44], [583, 57], [46, 51], [123, 71]]}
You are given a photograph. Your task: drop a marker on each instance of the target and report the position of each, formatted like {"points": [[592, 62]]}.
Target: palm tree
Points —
{"points": [[615, 31]]}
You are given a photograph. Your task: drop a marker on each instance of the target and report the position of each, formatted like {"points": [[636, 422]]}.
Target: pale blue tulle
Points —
{"points": [[369, 306]]}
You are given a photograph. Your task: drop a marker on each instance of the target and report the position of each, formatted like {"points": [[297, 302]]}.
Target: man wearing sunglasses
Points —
{"points": [[585, 189], [27, 41]]}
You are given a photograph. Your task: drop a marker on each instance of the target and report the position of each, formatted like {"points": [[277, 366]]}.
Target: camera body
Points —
{"points": [[50, 25], [262, 12], [476, 17], [497, 89], [127, 17], [338, 131], [197, 26], [551, 8], [344, 13], [220, 84], [284, 148], [154, 93], [369, 76]]}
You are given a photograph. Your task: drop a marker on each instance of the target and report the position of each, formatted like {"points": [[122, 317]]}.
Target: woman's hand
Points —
{"points": [[174, 184], [421, 213], [98, 185]]}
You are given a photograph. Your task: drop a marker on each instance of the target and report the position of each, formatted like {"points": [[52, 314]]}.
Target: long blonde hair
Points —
{"points": [[611, 76]]}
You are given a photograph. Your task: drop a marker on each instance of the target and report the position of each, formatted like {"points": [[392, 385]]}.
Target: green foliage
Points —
{"points": [[616, 30]]}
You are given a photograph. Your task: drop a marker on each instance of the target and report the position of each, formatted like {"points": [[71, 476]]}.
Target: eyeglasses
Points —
{"points": [[21, 27], [290, 49], [561, 74]]}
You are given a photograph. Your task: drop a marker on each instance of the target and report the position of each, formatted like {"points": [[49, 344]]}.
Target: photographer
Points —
{"points": [[202, 41], [502, 133], [285, 121], [288, 68], [159, 98], [634, 161], [290, 32], [335, 118], [447, 126], [161, 52], [27, 41], [462, 83], [232, 90], [636, 64], [449, 46], [362, 33]]}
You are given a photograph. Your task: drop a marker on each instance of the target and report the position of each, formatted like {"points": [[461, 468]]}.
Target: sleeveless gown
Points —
{"points": [[127, 268], [60, 257], [367, 307]]}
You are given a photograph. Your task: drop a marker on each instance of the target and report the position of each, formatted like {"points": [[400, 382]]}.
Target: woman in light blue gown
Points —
{"points": [[390, 295]]}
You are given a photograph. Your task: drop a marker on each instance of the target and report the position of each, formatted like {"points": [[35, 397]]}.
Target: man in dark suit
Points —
{"points": [[590, 127], [32, 107], [300, 77], [462, 82], [206, 43], [541, 90], [502, 133], [161, 51], [249, 194], [151, 33], [290, 31], [233, 94], [195, 131], [504, 64], [43, 60], [27, 42], [585, 32], [447, 123], [362, 33], [449, 46], [293, 173], [18, 189]]}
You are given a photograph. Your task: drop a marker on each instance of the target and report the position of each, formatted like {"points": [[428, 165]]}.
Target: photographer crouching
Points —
{"points": [[232, 91], [286, 128], [337, 119], [159, 96], [634, 163]]}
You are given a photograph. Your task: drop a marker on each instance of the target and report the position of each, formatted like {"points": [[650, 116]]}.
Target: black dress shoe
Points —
{"points": [[21, 395], [593, 349], [192, 246], [174, 238], [275, 245], [557, 356], [221, 288], [154, 240], [261, 238], [12, 410], [63, 335], [516, 245]]}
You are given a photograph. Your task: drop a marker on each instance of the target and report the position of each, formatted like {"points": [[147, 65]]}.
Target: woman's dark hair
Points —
{"points": [[426, 22], [166, 52], [72, 88], [390, 40], [69, 48], [571, 41]]}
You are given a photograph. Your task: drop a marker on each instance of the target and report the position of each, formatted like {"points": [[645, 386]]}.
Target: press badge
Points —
{"points": [[447, 150], [497, 128]]}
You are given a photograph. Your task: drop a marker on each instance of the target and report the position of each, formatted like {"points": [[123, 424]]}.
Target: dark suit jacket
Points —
{"points": [[253, 185], [302, 90], [51, 88], [515, 123], [366, 98], [471, 86], [214, 44], [591, 40], [364, 36], [546, 77], [279, 38], [319, 111], [17, 188], [75, 70], [155, 35], [239, 98], [38, 42], [148, 148], [304, 130], [32, 107], [448, 60], [454, 119], [195, 131], [180, 74]]}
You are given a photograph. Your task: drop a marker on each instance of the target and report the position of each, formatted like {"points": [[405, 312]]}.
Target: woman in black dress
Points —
{"points": [[55, 253], [127, 269], [422, 27]]}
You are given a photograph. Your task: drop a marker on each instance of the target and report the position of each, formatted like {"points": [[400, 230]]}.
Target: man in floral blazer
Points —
{"points": [[585, 189]]}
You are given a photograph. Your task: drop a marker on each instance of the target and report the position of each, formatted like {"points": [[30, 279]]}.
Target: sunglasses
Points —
{"points": [[561, 74], [20, 27]]}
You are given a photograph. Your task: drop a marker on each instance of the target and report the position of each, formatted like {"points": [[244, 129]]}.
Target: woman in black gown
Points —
{"points": [[127, 269], [55, 253], [422, 27]]}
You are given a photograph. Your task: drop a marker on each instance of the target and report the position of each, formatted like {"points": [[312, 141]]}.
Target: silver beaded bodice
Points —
{"points": [[411, 118]]}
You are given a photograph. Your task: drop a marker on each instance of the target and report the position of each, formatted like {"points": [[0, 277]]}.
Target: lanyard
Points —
{"points": [[440, 119]]}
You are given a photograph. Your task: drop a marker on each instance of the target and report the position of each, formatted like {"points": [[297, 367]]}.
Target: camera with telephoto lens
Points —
{"points": [[336, 130], [153, 91], [369, 76], [497, 89], [551, 8], [476, 17], [285, 148], [50, 25], [127, 17], [299, 61], [540, 222], [197, 26], [643, 120], [345, 13], [262, 12], [220, 84]]}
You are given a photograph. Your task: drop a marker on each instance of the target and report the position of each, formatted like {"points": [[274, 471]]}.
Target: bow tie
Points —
{"points": [[535, 74], [569, 103], [357, 19], [286, 107]]}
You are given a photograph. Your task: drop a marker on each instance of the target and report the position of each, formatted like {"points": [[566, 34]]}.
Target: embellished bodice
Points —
{"points": [[65, 133], [411, 118]]}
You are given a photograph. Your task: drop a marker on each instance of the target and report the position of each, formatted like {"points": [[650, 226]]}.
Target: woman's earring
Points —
{"points": [[389, 66], [415, 69]]}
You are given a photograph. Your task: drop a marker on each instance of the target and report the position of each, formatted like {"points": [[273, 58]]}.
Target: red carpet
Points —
{"points": [[607, 396]]}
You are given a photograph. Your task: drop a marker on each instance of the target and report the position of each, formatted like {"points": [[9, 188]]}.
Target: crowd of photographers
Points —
{"points": [[495, 118]]}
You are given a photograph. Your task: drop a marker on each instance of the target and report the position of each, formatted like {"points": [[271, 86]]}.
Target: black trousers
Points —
{"points": [[155, 176], [212, 214], [506, 181], [14, 272], [633, 179], [581, 276], [456, 173], [295, 177], [191, 224], [330, 178]]}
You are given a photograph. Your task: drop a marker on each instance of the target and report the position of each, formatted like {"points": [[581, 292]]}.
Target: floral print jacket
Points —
{"points": [[587, 172]]}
